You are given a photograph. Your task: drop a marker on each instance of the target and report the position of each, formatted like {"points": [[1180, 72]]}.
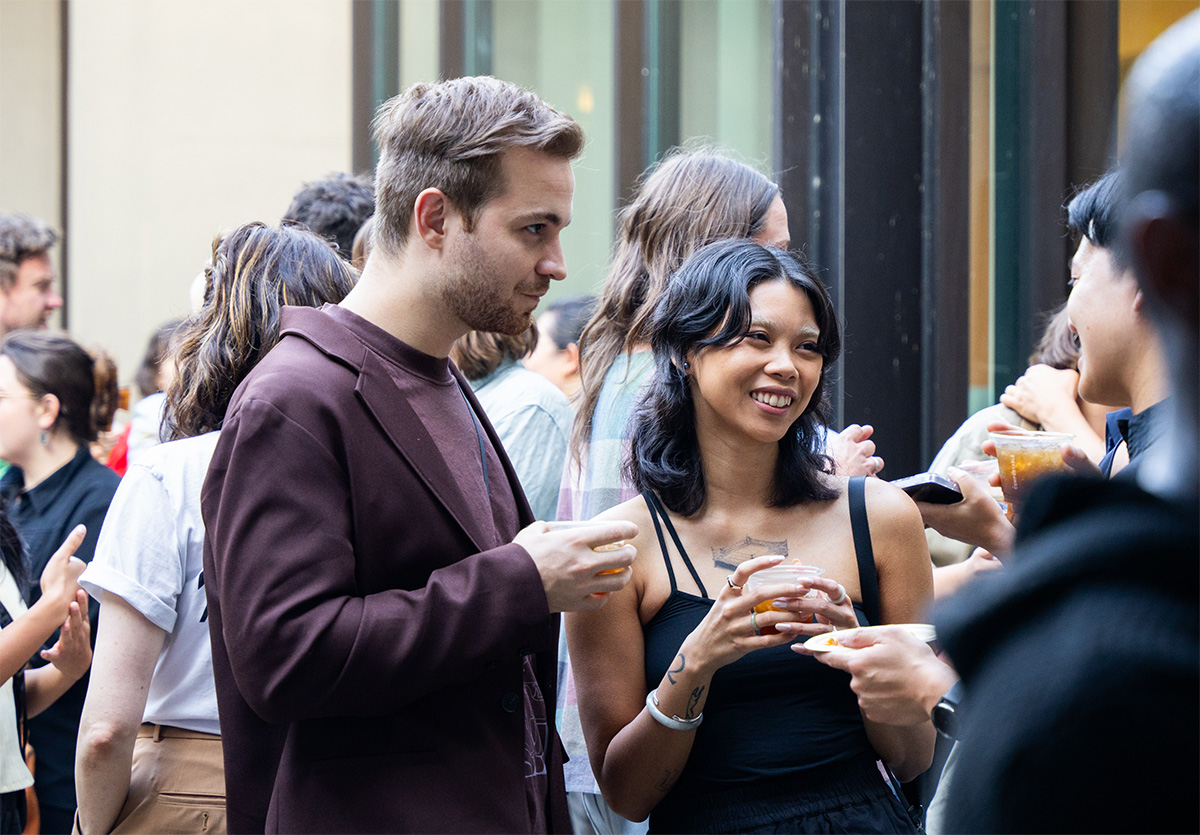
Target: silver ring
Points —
{"points": [[841, 597], [754, 623], [729, 580]]}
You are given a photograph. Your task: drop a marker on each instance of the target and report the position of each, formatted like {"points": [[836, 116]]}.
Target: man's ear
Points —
{"points": [[429, 217]]}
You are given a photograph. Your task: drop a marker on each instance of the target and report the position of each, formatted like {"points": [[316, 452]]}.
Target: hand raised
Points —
{"points": [[60, 577], [72, 653], [575, 575]]}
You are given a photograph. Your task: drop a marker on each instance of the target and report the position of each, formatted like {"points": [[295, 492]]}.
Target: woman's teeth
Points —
{"points": [[778, 401]]}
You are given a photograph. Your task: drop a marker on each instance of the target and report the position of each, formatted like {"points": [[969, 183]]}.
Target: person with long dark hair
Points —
{"points": [[153, 658], [725, 450], [49, 415]]}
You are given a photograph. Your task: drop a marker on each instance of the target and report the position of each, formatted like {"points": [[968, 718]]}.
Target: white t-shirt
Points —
{"points": [[13, 773], [150, 553]]}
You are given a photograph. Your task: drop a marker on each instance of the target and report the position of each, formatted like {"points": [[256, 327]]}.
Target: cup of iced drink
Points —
{"points": [[608, 546], [1024, 456], [790, 574]]}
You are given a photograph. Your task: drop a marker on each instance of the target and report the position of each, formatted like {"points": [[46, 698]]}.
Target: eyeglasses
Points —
{"points": [[14, 395]]}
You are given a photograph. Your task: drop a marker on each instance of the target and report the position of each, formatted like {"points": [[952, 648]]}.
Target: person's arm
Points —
{"points": [[1047, 396], [69, 659], [948, 579], [977, 519], [896, 676], [303, 641], [127, 648], [22, 638], [635, 758], [905, 592]]}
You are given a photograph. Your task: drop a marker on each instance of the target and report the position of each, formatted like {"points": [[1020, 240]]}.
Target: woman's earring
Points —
{"points": [[45, 439]]}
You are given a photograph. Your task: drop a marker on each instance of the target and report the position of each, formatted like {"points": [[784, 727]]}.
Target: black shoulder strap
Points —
{"points": [[687, 561], [652, 504], [868, 580]]}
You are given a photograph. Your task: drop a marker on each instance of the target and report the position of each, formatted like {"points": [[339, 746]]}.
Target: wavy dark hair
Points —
{"points": [[53, 363], [255, 271], [707, 305], [1092, 214]]}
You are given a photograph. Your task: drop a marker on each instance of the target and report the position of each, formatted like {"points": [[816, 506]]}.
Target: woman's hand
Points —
{"points": [[1045, 396], [60, 577], [819, 613], [72, 654], [729, 631]]}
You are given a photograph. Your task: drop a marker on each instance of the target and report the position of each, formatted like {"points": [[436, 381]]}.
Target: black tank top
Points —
{"points": [[771, 713]]}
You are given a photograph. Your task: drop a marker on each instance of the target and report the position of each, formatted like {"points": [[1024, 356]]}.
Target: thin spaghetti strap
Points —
{"points": [[675, 538], [868, 580], [652, 504]]}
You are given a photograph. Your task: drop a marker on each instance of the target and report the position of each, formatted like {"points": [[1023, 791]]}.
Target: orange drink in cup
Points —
{"points": [[608, 546], [1024, 456], [790, 574]]}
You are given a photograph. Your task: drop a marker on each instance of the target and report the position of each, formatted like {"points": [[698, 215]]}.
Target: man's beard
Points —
{"points": [[471, 295]]}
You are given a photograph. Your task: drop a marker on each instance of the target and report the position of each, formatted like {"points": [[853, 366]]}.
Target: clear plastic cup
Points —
{"points": [[790, 574], [1025, 456]]}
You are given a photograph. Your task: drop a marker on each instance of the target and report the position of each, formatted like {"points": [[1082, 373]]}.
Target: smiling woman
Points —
{"points": [[725, 450]]}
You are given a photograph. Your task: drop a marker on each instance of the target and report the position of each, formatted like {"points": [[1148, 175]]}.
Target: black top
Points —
{"points": [[1137, 431], [1081, 669], [77, 492], [771, 713]]}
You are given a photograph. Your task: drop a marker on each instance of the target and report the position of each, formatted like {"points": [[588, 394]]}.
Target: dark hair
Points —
{"points": [[255, 271], [691, 198], [479, 353], [450, 136], [21, 236], [1092, 214], [707, 305], [570, 316], [12, 550], [1057, 348], [107, 397], [157, 350], [52, 363], [335, 208]]}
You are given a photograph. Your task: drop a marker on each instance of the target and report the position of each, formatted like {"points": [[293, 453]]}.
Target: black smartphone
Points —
{"points": [[930, 487]]}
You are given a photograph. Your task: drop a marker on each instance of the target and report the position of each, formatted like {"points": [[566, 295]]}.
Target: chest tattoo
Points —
{"points": [[730, 557]]}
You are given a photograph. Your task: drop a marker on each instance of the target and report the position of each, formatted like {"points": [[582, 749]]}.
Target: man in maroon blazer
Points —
{"points": [[382, 605]]}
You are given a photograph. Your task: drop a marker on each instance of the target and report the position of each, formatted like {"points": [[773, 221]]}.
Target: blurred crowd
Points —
{"points": [[376, 550]]}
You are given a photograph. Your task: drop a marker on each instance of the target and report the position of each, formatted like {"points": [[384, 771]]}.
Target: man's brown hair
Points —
{"points": [[450, 136], [21, 236]]}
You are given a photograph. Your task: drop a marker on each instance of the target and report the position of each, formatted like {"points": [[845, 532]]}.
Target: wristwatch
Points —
{"points": [[944, 715]]}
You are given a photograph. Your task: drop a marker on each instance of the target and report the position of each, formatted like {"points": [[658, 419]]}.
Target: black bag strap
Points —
{"points": [[868, 580]]}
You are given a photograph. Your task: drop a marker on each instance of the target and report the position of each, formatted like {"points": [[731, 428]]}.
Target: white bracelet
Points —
{"points": [[672, 722]]}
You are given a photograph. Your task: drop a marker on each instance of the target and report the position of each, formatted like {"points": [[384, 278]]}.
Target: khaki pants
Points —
{"points": [[177, 784]]}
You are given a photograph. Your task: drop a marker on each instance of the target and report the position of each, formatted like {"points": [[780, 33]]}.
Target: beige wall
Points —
{"points": [[30, 107], [186, 119]]}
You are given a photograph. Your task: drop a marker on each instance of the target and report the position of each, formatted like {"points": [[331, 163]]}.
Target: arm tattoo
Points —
{"points": [[668, 779], [693, 701], [679, 669], [730, 557]]}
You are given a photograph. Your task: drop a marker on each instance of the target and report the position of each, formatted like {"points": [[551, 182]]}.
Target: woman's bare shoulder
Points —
{"points": [[889, 506]]}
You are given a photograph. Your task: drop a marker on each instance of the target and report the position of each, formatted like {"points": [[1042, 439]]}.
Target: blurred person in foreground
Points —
{"points": [[335, 208], [153, 660], [48, 416], [556, 355], [383, 606], [27, 294], [1080, 663], [531, 416]]}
